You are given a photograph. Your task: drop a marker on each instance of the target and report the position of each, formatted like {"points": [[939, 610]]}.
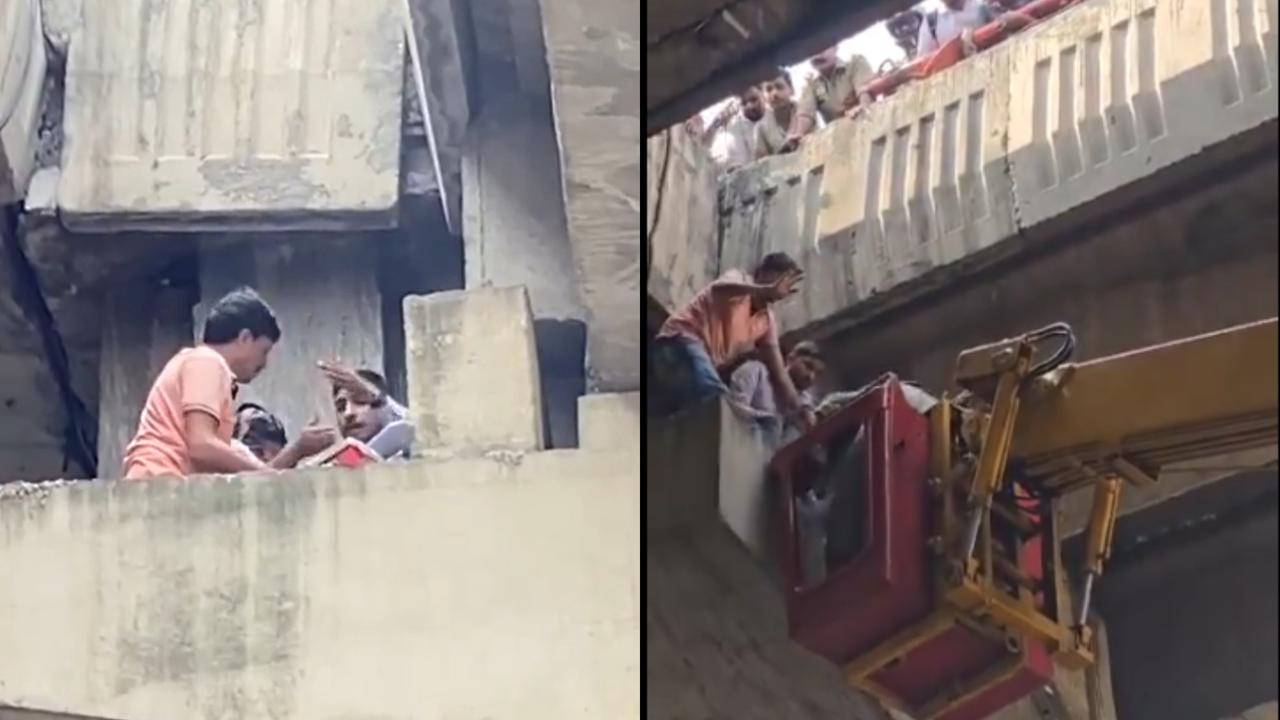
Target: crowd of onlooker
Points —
{"points": [[770, 119]]}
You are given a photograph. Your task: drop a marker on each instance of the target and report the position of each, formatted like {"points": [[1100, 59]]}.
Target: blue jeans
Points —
{"points": [[683, 374]]}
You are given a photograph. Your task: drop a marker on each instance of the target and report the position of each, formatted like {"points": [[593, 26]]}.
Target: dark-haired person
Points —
{"points": [[367, 412], [835, 90], [187, 422], [260, 432], [751, 387], [723, 322], [771, 131]]}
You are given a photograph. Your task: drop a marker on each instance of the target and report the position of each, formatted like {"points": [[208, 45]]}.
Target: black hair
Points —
{"points": [[240, 309], [260, 427], [372, 377], [785, 76], [807, 349], [775, 264]]}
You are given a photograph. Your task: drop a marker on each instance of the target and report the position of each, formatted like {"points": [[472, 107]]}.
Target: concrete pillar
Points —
{"points": [[143, 325], [515, 233], [324, 291], [473, 370], [609, 421], [593, 55]]}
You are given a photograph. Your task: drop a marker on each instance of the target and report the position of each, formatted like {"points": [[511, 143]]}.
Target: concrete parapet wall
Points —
{"points": [[461, 588], [187, 113], [1008, 145]]}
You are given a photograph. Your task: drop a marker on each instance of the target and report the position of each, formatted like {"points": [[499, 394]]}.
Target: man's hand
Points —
{"points": [[808, 418], [344, 378], [787, 285], [315, 438]]}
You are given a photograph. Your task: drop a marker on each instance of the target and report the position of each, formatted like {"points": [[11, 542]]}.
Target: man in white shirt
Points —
{"points": [[738, 147], [955, 19]]}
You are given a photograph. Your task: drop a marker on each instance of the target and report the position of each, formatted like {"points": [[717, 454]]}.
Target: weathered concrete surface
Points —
{"points": [[593, 55], [1206, 263], [22, 65], [324, 291], [439, 68], [186, 114], [681, 218], [403, 591], [1193, 620], [715, 625], [514, 233], [514, 230], [473, 370], [609, 421], [144, 325], [1100, 106]]}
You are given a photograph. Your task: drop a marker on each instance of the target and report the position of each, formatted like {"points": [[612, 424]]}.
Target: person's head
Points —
{"points": [[825, 62], [778, 91], [773, 267], [905, 28], [954, 5], [751, 103], [805, 364], [242, 328], [260, 431], [356, 418]]}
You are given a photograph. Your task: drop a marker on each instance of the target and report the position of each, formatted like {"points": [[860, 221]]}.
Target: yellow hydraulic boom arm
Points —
{"points": [[1060, 427]]}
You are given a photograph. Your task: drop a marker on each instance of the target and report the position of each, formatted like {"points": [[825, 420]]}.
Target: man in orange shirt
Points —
{"points": [[187, 423], [724, 322]]}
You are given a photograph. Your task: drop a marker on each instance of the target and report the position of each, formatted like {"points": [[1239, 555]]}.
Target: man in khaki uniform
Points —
{"points": [[834, 92], [774, 128]]}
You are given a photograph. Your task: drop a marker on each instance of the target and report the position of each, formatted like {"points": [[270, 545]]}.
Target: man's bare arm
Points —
{"points": [[784, 286], [210, 453], [772, 353]]}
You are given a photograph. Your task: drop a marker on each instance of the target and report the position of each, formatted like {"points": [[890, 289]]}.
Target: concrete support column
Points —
{"points": [[515, 233], [324, 291], [143, 326], [473, 371], [593, 56]]}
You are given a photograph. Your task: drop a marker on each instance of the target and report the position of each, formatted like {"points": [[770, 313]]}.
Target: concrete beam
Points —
{"points": [[593, 54], [514, 227], [22, 66], [324, 291], [391, 591], [440, 67], [221, 115], [473, 371], [143, 326], [1101, 106]]}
